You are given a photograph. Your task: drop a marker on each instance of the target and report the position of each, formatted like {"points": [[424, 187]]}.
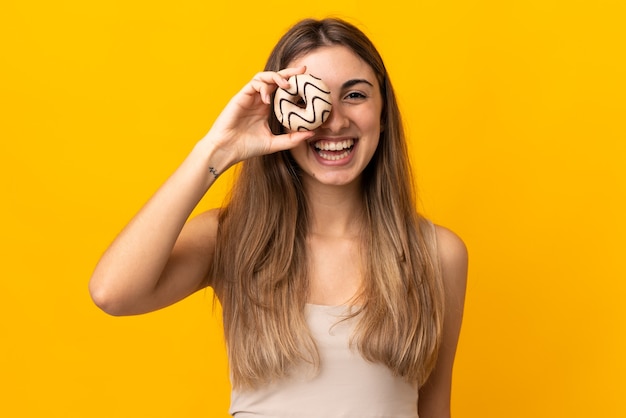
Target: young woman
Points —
{"points": [[338, 299]]}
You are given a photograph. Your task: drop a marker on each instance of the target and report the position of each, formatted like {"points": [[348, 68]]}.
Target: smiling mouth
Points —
{"points": [[333, 150]]}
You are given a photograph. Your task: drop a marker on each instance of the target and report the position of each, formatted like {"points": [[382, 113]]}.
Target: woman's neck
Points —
{"points": [[335, 211]]}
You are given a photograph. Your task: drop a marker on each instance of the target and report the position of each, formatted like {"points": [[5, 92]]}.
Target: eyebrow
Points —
{"points": [[354, 82]]}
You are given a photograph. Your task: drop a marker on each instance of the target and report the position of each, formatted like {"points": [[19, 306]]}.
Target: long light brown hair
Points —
{"points": [[260, 267]]}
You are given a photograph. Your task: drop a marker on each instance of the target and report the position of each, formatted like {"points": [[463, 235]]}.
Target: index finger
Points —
{"points": [[279, 78], [287, 73]]}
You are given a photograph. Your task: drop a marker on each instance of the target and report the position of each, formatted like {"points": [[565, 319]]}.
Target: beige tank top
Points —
{"points": [[347, 386]]}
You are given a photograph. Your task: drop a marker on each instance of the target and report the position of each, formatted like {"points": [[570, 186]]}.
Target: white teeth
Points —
{"points": [[334, 157], [323, 145], [333, 145]]}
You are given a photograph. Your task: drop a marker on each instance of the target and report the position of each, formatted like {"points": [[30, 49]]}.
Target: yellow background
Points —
{"points": [[516, 114]]}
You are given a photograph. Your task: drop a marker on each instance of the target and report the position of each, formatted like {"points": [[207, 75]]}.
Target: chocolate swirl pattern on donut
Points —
{"points": [[317, 105]]}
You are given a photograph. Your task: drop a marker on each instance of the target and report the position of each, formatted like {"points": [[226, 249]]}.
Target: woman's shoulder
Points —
{"points": [[201, 229], [453, 255], [449, 243], [210, 216]]}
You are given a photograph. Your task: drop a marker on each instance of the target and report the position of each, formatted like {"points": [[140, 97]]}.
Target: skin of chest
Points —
{"points": [[335, 269]]}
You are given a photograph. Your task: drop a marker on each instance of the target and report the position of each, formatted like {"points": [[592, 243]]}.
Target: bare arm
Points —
{"points": [[434, 396], [148, 266], [159, 258]]}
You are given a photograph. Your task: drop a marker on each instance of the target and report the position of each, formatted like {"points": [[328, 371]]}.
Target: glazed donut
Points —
{"points": [[305, 106]]}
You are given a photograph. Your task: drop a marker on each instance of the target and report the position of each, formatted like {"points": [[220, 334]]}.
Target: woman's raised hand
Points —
{"points": [[154, 262], [241, 131]]}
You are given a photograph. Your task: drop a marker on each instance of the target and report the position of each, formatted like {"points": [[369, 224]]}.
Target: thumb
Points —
{"points": [[290, 140]]}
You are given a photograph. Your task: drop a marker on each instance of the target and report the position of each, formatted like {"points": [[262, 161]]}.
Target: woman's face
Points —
{"points": [[344, 145]]}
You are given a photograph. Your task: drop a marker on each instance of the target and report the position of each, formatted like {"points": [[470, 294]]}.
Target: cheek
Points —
{"points": [[299, 152], [372, 125], [369, 119], [372, 129]]}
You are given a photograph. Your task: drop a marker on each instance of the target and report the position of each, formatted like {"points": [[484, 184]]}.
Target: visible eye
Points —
{"points": [[355, 95]]}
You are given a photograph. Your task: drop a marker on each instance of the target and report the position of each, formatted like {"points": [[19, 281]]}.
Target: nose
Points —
{"points": [[337, 119]]}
